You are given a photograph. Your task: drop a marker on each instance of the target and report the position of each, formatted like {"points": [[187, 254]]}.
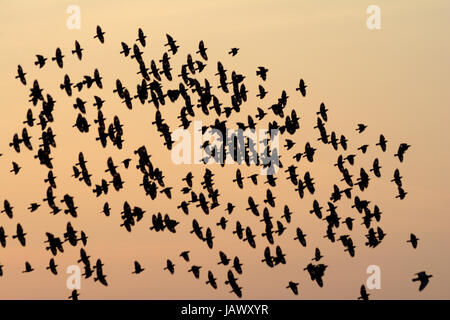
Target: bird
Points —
{"points": [[185, 255], [423, 278], [262, 72], [16, 168], [293, 286], [141, 37], [74, 295], [364, 295], [195, 271], [21, 75], [202, 50], [58, 58], [40, 61], [382, 143], [413, 240], [126, 163], [361, 128], [363, 148], [28, 268], [100, 34], [171, 267], [52, 266], [233, 51], [401, 151], [78, 50], [137, 268], [302, 87]]}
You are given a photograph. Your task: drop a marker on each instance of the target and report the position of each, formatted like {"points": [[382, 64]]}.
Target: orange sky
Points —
{"points": [[394, 80]]}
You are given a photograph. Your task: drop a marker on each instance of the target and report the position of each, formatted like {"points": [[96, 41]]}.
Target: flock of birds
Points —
{"points": [[198, 96]]}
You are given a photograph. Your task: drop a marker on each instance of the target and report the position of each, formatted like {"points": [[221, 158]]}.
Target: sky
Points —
{"points": [[393, 79]]}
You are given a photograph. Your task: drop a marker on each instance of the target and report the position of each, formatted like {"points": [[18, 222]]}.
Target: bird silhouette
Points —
{"points": [[423, 278]]}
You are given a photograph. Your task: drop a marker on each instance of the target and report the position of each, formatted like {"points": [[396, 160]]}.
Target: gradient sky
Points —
{"points": [[395, 80]]}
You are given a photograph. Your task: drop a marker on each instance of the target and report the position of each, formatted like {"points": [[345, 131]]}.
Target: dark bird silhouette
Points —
{"points": [[33, 207], [16, 168], [302, 87], [125, 49], [141, 37], [211, 280], [361, 128], [171, 43], [401, 193], [397, 178], [202, 50], [301, 237], [413, 240], [237, 265], [28, 268], [323, 112], [74, 295], [232, 281], [363, 148], [195, 271], [40, 61], [78, 50], [262, 72], [376, 168], [100, 276], [233, 51], [293, 286], [185, 255], [52, 266], [170, 266], [21, 75], [382, 143], [58, 58], [223, 259], [100, 34], [67, 85], [401, 151], [262, 92], [351, 159], [3, 237], [364, 295], [423, 278], [137, 268], [317, 255], [349, 223], [20, 235]]}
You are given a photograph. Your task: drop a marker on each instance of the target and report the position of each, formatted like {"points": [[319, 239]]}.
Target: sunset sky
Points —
{"points": [[395, 80]]}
